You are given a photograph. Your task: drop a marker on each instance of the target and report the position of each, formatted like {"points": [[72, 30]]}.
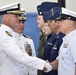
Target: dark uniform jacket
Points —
{"points": [[47, 49], [55, 48], [51, 50], [48, 46]]}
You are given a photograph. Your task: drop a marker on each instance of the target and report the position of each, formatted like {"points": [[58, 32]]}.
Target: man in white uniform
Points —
{"points": [[66, 60], [25, 43], [11, 56], [67, 53]]}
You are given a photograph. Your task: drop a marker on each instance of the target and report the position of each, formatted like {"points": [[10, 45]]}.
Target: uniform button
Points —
{"points": [[21, 48], [62, 58]]}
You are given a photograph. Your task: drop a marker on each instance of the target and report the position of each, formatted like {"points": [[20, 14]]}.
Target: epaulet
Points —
{"points": [[0, 25], [26, 36], [8, 33]]}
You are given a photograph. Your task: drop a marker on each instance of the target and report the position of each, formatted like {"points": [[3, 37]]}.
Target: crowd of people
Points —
{"points": [[56, 51]]}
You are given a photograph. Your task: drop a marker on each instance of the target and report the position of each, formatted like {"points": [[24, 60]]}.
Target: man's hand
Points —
{"points": [[47, 67]]}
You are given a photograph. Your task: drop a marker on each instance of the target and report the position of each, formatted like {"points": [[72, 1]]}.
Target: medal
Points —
{"points": [[28, 48]]}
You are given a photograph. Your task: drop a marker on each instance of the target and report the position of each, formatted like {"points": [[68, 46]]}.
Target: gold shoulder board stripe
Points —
{"points": [[0, 25], [8, 33]]}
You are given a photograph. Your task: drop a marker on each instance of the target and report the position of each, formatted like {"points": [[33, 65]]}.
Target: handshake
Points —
{"points": [[47, 67]]}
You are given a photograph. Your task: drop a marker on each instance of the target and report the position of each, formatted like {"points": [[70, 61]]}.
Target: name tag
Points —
{"points": [[49, 43], [54, 47]]}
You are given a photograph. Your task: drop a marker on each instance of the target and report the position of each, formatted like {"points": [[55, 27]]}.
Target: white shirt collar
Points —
{"points": [[16, 35], [69, 35]]}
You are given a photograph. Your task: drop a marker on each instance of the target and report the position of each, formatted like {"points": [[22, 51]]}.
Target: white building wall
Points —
{"points": [[71, 4], [30, 5]]}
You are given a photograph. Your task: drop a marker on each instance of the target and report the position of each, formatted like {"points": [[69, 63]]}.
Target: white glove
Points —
{"points": [[48, 67]]}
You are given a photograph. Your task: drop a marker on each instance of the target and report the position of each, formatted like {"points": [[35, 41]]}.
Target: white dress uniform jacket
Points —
{"points": [[23, 42], [67, 55], [11, 56]]}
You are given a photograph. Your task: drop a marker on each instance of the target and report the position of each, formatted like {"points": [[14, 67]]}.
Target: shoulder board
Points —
{"points": [[8, 33], [26, 36], [0, 25]]}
